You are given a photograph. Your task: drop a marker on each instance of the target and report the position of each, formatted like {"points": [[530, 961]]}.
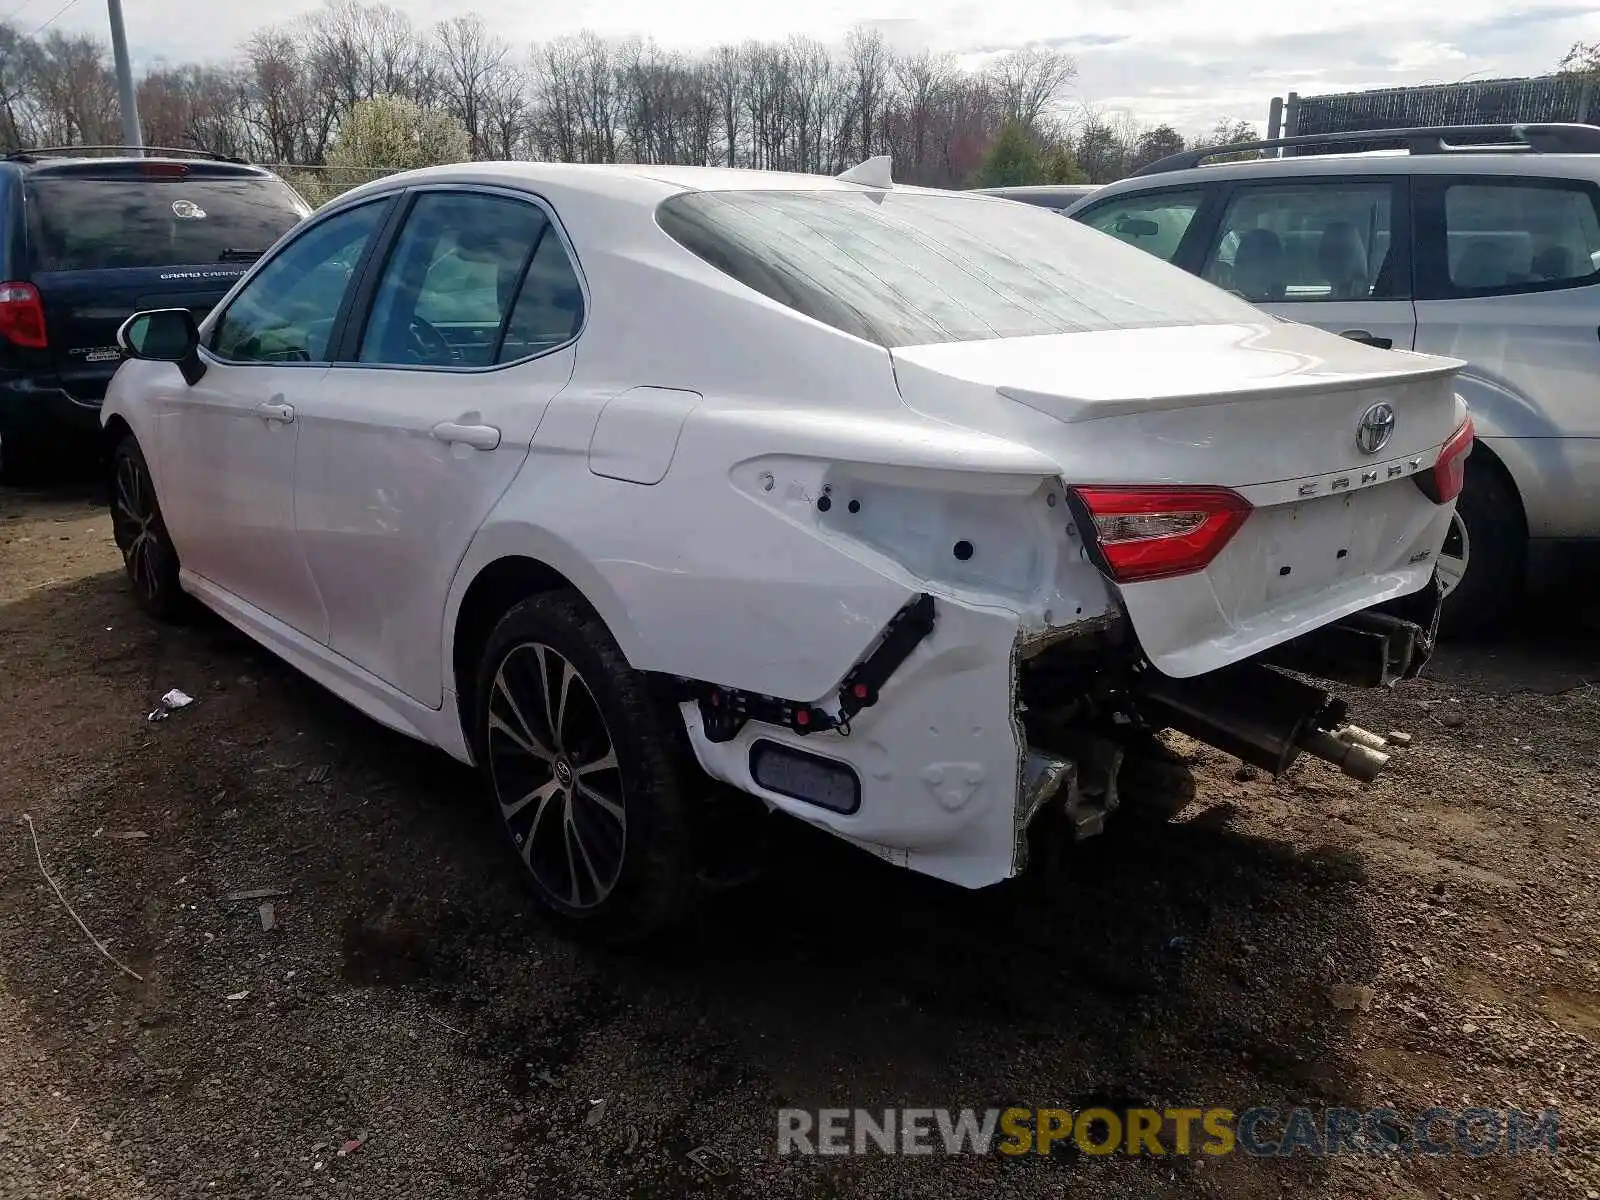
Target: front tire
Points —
{"points": [[148, 554], [585, 772], [1484, 559]]}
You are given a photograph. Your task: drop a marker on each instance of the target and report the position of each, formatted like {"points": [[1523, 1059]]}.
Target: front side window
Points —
{"points": [[1308, 242], [909, 268], [452, 279], [286, 312], [1520, 235], [1154, 222]]}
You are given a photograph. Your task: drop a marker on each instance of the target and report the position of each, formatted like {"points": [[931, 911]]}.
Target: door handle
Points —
{"points": [[479, 437], [1361, 335], [281, 413]]}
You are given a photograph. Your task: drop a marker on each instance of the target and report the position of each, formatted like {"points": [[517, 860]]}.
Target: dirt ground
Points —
{"points": [[408, 997]]}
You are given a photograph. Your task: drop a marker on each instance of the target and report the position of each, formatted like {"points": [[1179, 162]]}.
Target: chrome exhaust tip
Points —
{"points": [[1355, 756]]}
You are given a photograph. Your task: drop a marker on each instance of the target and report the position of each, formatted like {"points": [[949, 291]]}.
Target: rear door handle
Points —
{"points": [[281, 413], [479, 437], [1361, 335]]}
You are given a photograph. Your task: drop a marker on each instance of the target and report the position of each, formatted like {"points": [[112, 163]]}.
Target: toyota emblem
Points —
{"points": [[1375, 428]]}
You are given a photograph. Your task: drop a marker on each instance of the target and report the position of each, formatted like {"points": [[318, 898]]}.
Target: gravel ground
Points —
{"points": [[407, 998]]}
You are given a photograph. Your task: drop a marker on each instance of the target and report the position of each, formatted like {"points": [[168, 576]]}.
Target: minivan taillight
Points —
{"points": [[1443, 484], [22, 316], [1157, 532]]}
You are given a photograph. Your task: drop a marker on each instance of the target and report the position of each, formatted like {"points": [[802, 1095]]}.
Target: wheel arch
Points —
{"points": [[503, 567], [1483, 458], [112, 432]]}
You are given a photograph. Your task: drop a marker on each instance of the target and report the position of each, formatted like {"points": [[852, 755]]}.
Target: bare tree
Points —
{"points": [[507, 110], [870, 66], [74, 91], [19, 64], [556, 87], [1030, 81], [468, 56], [290, 95], [195, 106], [282, 111], [921, 82], [597, 98], [726, 76], [364, 50]]}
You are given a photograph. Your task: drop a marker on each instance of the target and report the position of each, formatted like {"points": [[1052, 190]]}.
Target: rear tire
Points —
{"points": [[585, 772], [148, 555], [1496, 552]]}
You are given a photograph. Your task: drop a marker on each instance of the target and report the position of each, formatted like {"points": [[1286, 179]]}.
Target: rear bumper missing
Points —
{"points": [[1375, 648], [984, 729], [1264, 716]]}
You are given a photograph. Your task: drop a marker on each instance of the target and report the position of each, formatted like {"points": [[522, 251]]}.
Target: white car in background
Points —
{"points": [[1489, 253], [630, 484]]}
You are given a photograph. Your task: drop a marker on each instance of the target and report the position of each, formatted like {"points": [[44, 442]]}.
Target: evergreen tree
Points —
{"points": [[1012, 161]]}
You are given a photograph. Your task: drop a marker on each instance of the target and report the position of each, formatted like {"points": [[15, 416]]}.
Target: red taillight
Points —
{"points": [[1146, 533], [1443, 484], [22, 316], [163, 170]]}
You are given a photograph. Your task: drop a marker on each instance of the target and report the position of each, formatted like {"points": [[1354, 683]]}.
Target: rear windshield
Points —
{"points": [[81, 223], [906, 269]]}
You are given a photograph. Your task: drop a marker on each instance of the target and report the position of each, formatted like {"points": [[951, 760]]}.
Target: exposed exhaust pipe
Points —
{"points": [[1352, 757], [1263, 717]]}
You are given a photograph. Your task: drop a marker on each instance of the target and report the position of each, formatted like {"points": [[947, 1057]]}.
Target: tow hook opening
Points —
{"points": [[1263, 717]]}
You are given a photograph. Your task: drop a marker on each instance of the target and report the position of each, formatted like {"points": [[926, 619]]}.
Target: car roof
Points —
{"points": [[43, 156], [637, 182], [1374, 162]]}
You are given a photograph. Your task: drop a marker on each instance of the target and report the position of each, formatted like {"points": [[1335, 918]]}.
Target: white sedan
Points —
{"points": [[910, 513]]}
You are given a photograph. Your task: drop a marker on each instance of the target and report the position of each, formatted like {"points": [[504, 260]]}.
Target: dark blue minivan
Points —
{"points": [[86, 241]]}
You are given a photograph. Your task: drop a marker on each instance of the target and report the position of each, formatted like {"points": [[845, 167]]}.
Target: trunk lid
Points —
{"points": [[84, 309], [1274, 411]]}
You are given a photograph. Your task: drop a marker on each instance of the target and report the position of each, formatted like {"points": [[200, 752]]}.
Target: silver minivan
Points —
{"points": [[1480, 243]]}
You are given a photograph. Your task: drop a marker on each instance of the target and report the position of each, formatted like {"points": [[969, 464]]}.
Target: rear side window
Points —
{"points": [[1326, 240], [1154, 222], [549, 307], [909, 268], [1520, 235], [81, 222]]}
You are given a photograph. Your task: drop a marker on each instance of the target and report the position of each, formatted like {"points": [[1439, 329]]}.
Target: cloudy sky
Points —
{"points": [[1189, 63]]}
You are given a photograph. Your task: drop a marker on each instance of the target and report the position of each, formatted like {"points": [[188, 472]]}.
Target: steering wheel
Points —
{"points": [[429, 345]]}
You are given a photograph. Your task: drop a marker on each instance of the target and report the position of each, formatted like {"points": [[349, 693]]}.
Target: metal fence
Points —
{"points": [[1482, 102]]}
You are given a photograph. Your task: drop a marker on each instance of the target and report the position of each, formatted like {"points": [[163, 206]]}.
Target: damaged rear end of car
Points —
{"points": [[1106, 500], [1264, 505]]}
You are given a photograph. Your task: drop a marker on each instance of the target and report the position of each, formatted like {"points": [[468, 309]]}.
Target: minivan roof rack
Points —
{"points": [[33, 152], [1542, 138]]}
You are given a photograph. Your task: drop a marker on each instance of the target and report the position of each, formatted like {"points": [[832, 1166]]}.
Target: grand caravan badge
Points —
{"points": [[188, 210]]}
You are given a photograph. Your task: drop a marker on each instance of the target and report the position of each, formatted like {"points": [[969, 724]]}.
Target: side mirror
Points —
{"points": [[164, 335]]}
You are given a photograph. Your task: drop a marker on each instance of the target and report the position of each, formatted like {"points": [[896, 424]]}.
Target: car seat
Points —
{"points": [[1258, 265], [1343, 261]]}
